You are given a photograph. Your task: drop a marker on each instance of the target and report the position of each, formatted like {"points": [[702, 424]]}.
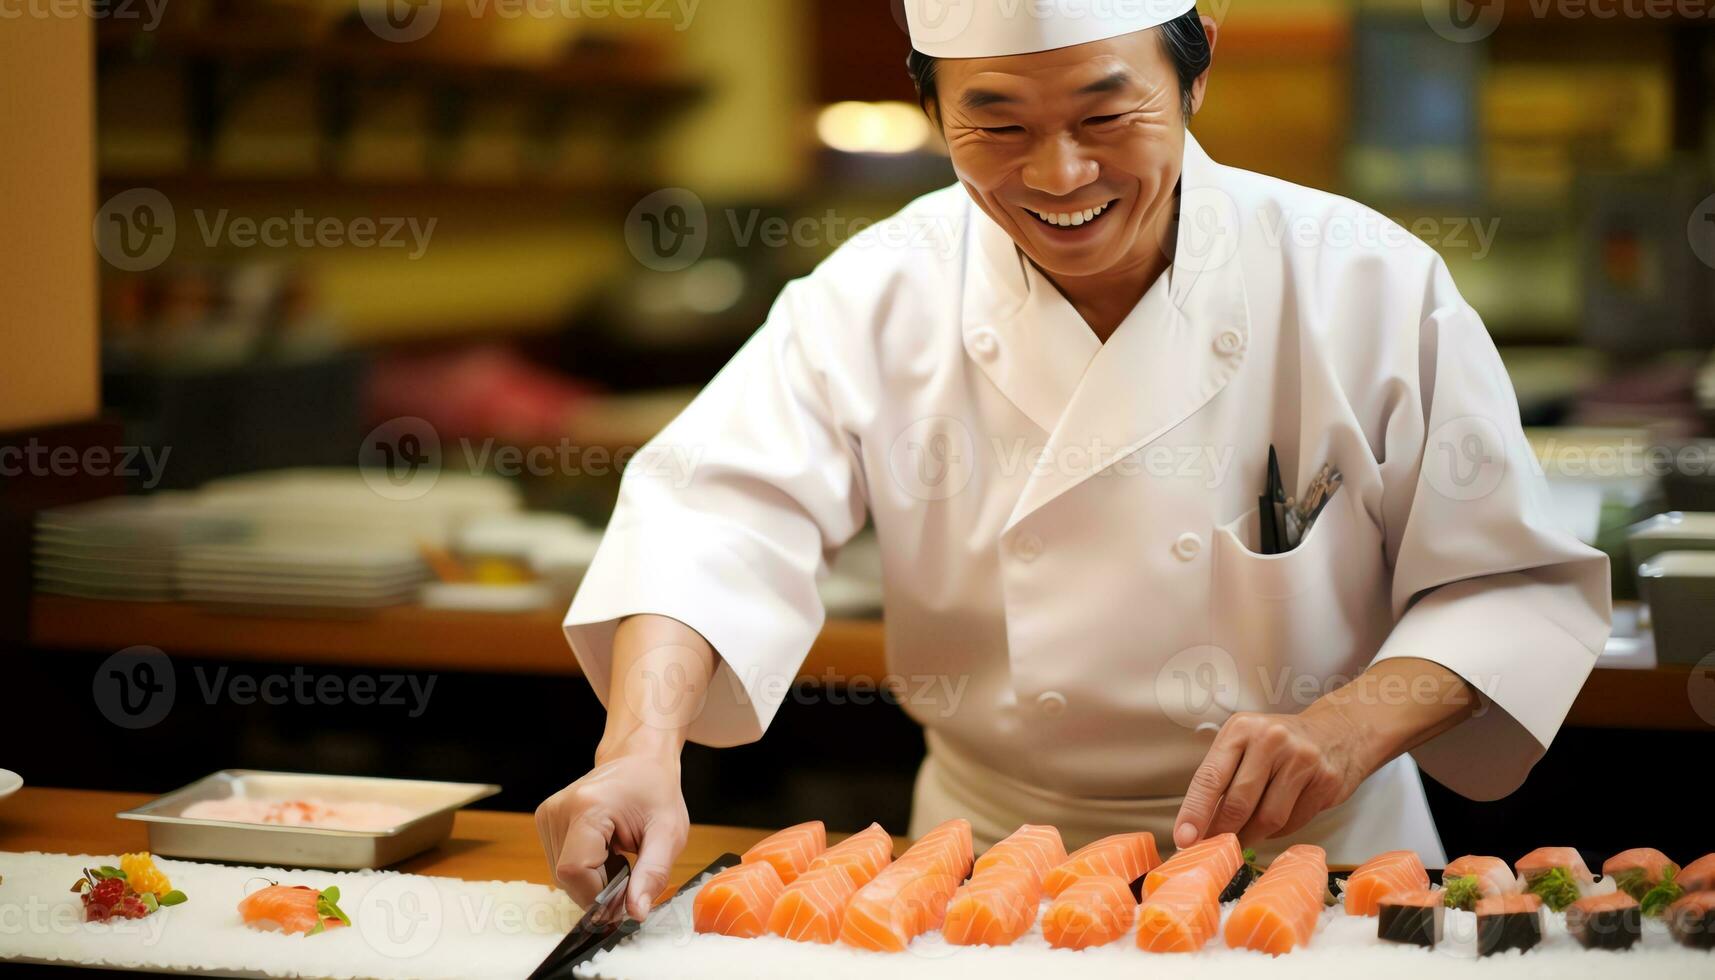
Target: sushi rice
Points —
{"points": [[668, 949]]}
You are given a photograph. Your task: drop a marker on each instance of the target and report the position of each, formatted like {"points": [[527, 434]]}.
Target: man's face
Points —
{"points": [[1092, 136]]}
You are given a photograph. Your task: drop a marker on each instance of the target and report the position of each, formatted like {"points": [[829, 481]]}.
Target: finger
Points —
{"points": [[579, 866], [1208, 783], [661, 844], [1255, 772], [1311, 804], [1278, 804]]}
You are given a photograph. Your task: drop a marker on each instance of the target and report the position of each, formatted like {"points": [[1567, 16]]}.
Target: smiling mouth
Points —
{"points": [[1071, 219]]}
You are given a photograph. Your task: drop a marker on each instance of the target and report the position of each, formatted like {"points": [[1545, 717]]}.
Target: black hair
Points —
{"points": [[1182, 39]]}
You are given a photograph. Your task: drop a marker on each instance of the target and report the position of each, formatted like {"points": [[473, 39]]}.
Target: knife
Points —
{"points": [[603, 924]]}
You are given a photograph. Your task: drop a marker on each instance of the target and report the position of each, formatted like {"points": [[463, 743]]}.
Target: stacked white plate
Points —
{"points": [[120, 547], [304, 573]]}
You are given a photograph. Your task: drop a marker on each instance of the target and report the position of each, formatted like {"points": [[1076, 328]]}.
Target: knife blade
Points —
{"points": [[603, 922]]}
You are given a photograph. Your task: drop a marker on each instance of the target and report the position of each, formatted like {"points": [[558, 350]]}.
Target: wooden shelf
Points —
{"points": [[628, 73], [404, 637], [413, 638]]}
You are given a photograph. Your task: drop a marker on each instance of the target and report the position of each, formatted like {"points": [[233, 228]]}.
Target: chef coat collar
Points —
{"points": [[1100, 402]]}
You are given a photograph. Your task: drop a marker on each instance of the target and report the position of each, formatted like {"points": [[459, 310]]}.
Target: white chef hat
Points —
{"points": [[997, 28]]}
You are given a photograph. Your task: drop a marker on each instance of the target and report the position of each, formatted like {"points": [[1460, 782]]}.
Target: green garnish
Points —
{"points": [[327, 907], [174, 897], [1657, 899], [108, 871], [1556, 888], [1634, 882], [1462, 893]]}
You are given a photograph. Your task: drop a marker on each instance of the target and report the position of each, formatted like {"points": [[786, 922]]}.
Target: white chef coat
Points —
{"points": [[1073, 594]]}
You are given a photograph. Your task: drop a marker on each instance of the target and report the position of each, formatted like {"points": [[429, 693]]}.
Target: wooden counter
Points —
{"points": [[485, 845], [413, 638]]}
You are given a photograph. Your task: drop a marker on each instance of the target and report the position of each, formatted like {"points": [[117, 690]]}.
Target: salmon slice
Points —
{"points": [[1128, 856], [1509, 905], [1220, 856], [868, 851], [1381, 876], [1545, 859], [899, 905], [909, 897], [1182, 913], [811, 909], [1638, 870], [1490, 876], [1691, 920], [1036, 848], [285, 908], [737, 901], [994, 908], [1699, 875], [790, 850], [1093, 910], [1279, 913]]}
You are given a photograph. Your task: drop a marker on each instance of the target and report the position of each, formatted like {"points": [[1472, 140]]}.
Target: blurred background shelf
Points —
{"points": [[413, 638], [399, 637]]}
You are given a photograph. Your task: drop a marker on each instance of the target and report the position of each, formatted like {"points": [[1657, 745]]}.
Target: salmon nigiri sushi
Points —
{"points": [[292, 909], [738, 901], [1474, 877], [1279, 913], [1181, 914], [790, 851], [1221, 857], [1128, 856], [1092, 911], [1396, 872], [994, 908]]}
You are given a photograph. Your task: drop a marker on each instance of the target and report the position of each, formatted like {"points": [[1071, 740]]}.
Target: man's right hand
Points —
{"points": [[629, 803], [631, 800]]}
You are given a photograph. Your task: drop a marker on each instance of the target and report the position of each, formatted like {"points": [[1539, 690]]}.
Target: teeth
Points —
{"points": [[1072, 219]]}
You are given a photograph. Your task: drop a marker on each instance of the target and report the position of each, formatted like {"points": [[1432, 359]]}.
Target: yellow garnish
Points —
{"points": [[142, 875]]}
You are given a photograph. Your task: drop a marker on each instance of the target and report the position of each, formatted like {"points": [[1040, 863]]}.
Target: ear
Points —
{"points": [[1210, 29]]}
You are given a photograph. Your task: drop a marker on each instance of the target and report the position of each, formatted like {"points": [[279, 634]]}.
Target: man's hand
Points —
{"points": [[631, 800], [631, 803], [1267, 775]]}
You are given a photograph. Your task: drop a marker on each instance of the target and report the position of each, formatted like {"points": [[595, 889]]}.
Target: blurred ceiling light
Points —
{"points": [[712, 286], [873, 127]]}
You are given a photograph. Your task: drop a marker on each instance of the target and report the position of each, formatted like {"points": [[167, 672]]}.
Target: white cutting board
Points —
{"points": [[402, 925]]}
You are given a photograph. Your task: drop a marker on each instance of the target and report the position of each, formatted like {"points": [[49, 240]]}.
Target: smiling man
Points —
{"points": [[1178, 649]]}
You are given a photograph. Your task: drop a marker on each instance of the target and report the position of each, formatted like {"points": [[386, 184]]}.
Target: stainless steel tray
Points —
{"points": [[174, 835]]}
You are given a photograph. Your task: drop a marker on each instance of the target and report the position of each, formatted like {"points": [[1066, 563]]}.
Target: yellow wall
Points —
{"points": [[48, 361]]}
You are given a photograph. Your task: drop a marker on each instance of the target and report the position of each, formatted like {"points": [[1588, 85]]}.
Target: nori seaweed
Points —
{"points": [[1415, 925], [1512, 930], [1607, 929]]}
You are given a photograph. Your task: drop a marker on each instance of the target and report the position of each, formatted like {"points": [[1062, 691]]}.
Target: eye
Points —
{"points": [[1001, 130], [1103, 120]]}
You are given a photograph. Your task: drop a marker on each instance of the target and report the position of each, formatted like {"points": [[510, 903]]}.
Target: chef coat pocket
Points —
{"points": [[1295, 620]]}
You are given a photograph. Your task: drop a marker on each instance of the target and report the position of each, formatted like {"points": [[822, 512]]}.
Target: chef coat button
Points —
{"points": [[1051, 702], [1188, 546], [1230, 342], [985, 344], [1028, 547]]}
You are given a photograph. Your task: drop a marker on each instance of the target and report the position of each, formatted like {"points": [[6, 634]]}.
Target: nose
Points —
{"points": [[1058, 166]]}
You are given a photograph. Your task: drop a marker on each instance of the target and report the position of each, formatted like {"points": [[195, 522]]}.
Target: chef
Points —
{"points": [[1055, 388]]}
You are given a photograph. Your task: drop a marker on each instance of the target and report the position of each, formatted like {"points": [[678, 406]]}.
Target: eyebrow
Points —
{"points": [[982, 98], [1112, 83]]}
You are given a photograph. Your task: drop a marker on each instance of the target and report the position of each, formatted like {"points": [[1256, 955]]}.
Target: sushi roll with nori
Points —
{"points": [[1691, 920], [1639, 870], [1413, 918], [1508, 922], [1612, 921], [1699, 875], [1248, 872], [1558, 875]]}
